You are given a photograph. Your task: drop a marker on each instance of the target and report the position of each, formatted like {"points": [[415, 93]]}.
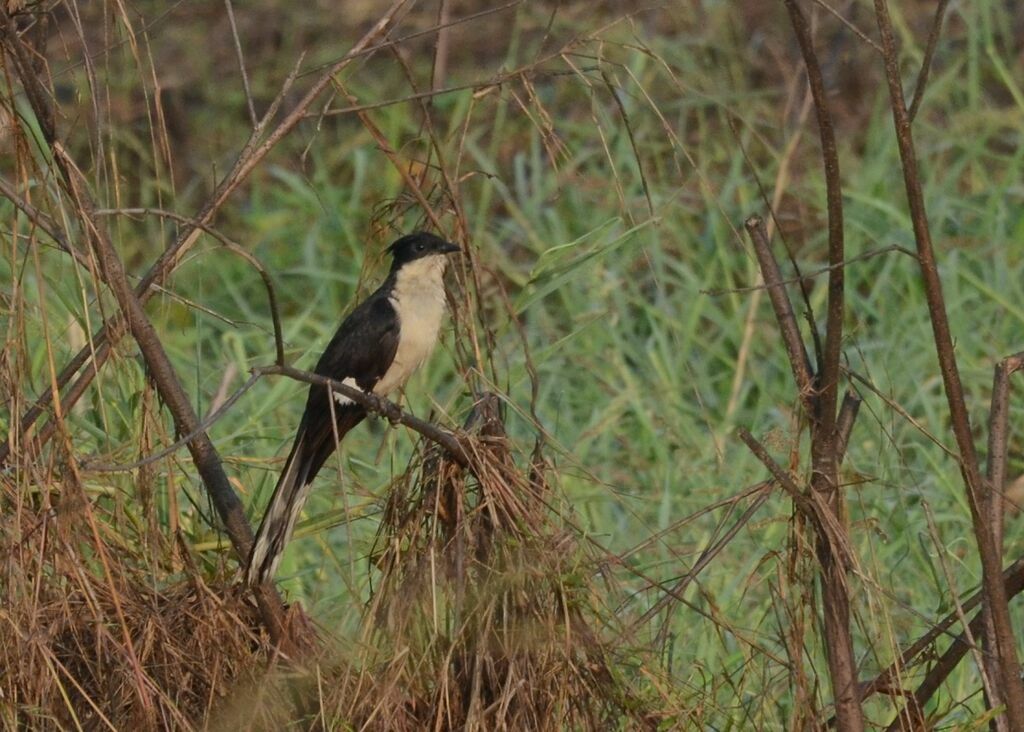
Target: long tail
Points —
{"points": [[279, 520], [313, 445]]}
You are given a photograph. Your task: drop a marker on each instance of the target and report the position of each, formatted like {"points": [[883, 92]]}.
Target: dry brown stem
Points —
{"points": [[1001, 642]]}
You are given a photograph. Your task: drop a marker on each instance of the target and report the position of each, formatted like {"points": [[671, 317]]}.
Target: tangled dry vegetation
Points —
{"points": [[486, 604], [486, 616], [90, 643]]}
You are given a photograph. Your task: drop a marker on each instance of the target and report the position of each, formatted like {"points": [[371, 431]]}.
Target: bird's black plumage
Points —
{"points": [[360, 354]]}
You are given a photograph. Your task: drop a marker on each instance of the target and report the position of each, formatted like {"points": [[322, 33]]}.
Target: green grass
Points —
{"points": [[636, 359]]}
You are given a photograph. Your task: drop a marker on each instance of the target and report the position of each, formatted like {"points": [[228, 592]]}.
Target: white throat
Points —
{"points": [[418, 299]]}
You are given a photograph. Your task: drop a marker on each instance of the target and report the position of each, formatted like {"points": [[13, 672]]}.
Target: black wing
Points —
{"points": [[361, 350]]}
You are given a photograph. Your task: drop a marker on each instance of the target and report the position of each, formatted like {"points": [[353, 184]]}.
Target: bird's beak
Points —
{"points": [[450, 248]]}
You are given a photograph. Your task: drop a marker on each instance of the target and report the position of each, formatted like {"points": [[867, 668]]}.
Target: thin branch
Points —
{"points": [[993, 510], [428, 31], [208, 421], [772, 203], [773, 206], [231, 246], [481, 86], [797, 279], [853, 29], [704, 510], [929, 54], [989, 669], [378, 405], [998, 435], [844, 424], [614, 92], [1004, 643], [1013, 578], [811, 505], [414, 186], [707, 556], [241, 62], [37, 217], [161, 371], [835, 600], [442, 45], [926, 259], [900, 410], [827, 381], [788, 327]]}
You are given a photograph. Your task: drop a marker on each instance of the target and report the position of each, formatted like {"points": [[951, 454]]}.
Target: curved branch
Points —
{"points": [[268, 283], [451, 442]]}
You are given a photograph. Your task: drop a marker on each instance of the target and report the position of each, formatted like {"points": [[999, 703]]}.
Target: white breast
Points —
{"points": [[418, 298]]}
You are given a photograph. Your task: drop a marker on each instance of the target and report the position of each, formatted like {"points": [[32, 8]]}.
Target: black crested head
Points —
{"points": [[418, 245]]}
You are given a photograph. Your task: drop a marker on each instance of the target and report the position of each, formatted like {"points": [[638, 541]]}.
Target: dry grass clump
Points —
{"points": [[484, 614], [92, 639]]}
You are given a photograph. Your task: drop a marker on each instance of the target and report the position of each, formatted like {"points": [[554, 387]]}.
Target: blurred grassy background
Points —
{"points": [[612, 224]]}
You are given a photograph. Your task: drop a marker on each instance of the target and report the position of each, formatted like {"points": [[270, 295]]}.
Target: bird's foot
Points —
{"points": [[389, 410]]}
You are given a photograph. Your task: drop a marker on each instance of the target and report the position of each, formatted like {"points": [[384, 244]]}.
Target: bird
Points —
{"points": [[376, 348]]}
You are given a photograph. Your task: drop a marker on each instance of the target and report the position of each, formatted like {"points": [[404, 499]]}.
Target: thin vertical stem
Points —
{"points": [[842, 663], [991, 562]]}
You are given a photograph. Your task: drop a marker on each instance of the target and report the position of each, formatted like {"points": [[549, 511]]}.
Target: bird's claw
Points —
{"points": [[390, 411]]}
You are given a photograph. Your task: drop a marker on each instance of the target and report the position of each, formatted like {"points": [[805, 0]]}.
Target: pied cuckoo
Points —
{"points": [[376, 348]]}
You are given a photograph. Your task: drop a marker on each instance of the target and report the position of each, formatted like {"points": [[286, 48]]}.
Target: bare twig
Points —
{"points": [[378, 405], [207, 422], [797, 279], [37, 217], [481, 86], [442, 44], [772, 204], [844, 424], [1013, 578], [929, 54], [241, 62], [926, 259], [1004, 644], [95, 354], [994, 507], [900, 410], [204, 455], [707, 556], [845, 21], [773, 223], [989, 671], [788, 327], [613, 90], [827, 381], [842, 663], [392, 42], [268, 282], [704, 510], [392, 155], [998, 432], [811, 505]]}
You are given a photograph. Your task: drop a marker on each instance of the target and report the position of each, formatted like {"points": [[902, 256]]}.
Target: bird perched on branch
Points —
{"points": [[377, 347]]}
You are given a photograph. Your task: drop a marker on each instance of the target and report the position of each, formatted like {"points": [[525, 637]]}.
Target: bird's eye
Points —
{"points": [[420, 247]]}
